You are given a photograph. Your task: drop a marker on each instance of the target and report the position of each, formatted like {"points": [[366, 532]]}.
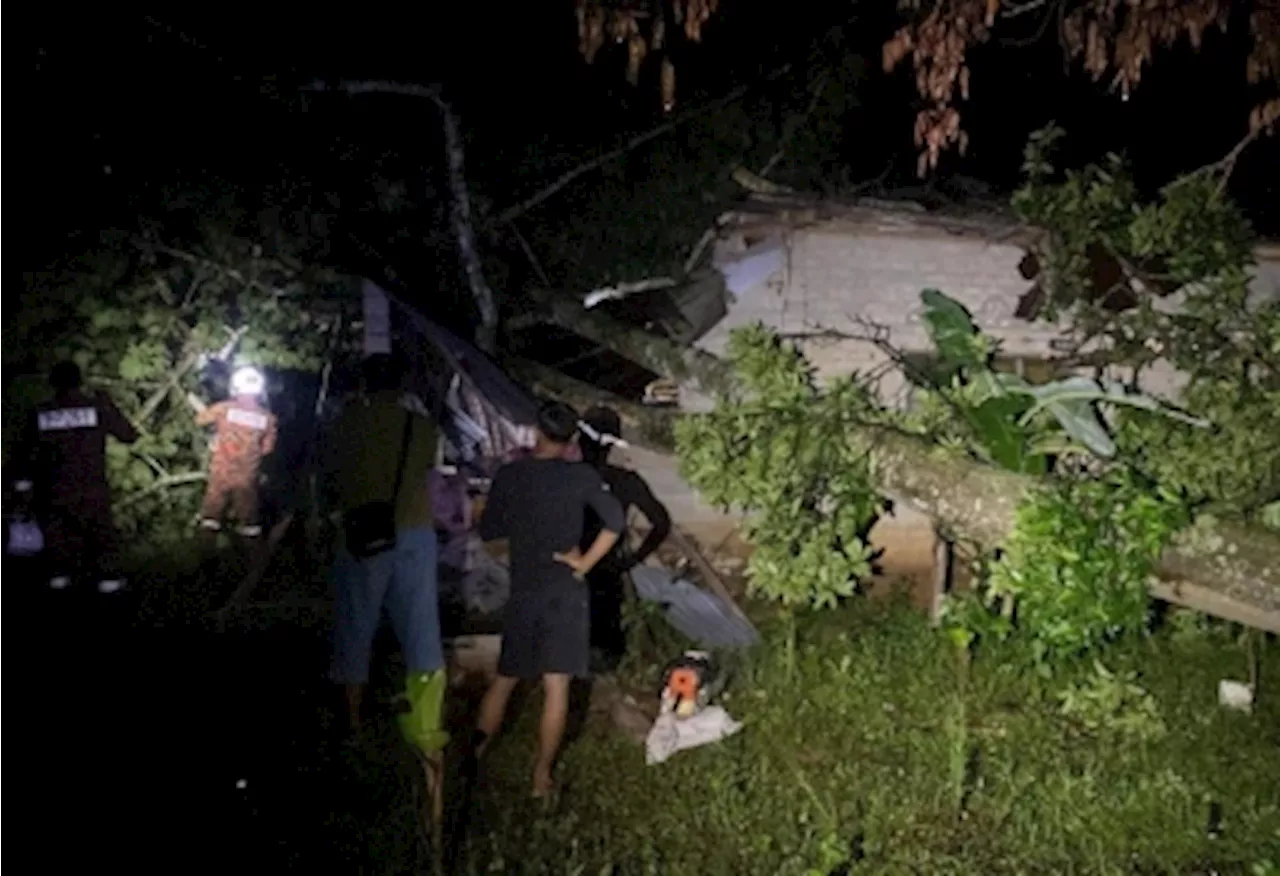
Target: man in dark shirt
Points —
{"points": [[68, 438], [631, 491], [539, 504]]}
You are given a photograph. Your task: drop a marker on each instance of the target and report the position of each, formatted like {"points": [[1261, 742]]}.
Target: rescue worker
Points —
{"points": [[73, 501], [244, 433]]}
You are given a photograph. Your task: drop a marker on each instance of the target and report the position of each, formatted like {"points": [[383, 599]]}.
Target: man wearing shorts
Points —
{"points": [[384, 437], [539, 504]]}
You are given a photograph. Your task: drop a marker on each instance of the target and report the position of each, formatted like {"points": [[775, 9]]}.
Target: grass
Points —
{"points": [[879, 752], [870, 749]]}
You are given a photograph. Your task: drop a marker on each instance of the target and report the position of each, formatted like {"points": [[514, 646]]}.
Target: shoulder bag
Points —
{"points": [[371, 529]]}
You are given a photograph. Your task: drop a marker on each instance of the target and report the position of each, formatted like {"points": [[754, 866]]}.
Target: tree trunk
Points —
{"points": [[487, 332], [463, 226], [701, 375], [1222, 568]]}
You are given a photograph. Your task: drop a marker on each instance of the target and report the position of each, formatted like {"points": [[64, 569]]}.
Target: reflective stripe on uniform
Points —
{"points": [[67, 418], [250, 419]]}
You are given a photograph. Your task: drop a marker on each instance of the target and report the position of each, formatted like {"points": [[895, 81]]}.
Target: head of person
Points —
{"points": [[65, 377], [603, 421], [382, 372], [248, 382], [557, 423]]}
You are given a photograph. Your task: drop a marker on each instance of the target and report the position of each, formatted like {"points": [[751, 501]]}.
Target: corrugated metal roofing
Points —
{"points": [[700, 615]]}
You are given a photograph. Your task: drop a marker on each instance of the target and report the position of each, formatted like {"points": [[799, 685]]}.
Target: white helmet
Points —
{"points": [[247, 381]]}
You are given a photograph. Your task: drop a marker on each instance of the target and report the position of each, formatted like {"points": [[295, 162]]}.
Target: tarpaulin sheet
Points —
{"points": [[753, 267], [702, 616]]}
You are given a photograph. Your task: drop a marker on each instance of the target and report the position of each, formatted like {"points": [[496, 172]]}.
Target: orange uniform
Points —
{"points": [[245, 432]]}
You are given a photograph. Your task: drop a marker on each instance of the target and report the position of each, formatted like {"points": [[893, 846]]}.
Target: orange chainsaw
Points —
{"points": [[689, 682]]}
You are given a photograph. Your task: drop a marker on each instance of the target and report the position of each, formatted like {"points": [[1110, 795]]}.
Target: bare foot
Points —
{"points": [[542, 785]]}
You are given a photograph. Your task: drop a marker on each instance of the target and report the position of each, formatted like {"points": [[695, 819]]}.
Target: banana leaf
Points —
{"points": [[1090, 391], [997, 427], [952, 330]]}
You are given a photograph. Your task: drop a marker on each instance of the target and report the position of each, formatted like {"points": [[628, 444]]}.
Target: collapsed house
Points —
{"points": [[843, 281]]}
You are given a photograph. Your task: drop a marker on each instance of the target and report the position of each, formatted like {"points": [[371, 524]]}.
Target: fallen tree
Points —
{"points": [[1220, 567]]}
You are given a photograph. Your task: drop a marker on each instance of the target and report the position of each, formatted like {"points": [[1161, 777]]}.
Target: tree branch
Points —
{"points": [[1013, 11], [163, 483], [1226, 165], [487, 332], [157, 398], [820, 85], [1222, 568], [698, 371], [641, 426], [622, 290], [202, 261], [635, 142]]}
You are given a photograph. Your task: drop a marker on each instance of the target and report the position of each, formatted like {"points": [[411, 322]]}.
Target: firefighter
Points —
{"points": [[73, 501], [244, 433]]}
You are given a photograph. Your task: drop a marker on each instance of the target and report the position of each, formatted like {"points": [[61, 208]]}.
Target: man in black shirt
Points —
{"points": [[539, 504], [631, 491]]}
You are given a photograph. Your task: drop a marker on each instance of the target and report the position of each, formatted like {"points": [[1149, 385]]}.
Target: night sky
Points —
{"points": [[196, 100]]}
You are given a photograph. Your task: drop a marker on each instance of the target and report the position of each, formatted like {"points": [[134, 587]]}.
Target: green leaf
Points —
{"points": [[995, 424], [1088, 390], [1080, 420], [952, 330]]}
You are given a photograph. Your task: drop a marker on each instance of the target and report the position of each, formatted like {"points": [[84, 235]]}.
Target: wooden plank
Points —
{"points": [[705, 569], [1211, 602]]}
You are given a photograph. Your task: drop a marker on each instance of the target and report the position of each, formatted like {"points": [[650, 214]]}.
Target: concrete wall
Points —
{"points": [[840, 272], [835, 276]]}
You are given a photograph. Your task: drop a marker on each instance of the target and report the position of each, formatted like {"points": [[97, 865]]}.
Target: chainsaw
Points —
{"points": [[689, 682]]}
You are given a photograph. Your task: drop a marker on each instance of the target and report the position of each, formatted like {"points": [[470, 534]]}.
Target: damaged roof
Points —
{"points": [[762, 214]]}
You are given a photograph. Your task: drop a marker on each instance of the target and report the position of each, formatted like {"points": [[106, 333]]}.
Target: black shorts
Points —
{"points": [[545, 633]]}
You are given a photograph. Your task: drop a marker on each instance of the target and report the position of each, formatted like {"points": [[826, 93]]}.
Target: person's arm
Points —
{"points": [[115, 422], [596, 497], [269, 439], [639, 495], [208, 415]]}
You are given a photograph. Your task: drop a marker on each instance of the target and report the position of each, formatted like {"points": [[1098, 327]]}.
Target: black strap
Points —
{"points": [[404, 453]]}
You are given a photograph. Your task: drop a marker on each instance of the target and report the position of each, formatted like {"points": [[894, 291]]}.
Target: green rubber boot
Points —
{"points": [[423, 724]]}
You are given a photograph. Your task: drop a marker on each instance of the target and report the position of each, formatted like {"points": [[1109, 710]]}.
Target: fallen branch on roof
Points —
{"points": [[757, 184], [622, 290], [1223, 568], [702, 374], [641, 426]]}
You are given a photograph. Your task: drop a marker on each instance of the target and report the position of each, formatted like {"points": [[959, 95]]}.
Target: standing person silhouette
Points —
{"points": [[376, 461], [608, 641], [540, 504], [67, 438]]}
